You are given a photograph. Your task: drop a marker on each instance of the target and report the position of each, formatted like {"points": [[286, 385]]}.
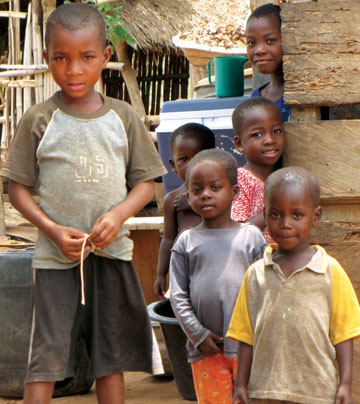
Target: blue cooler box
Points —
{"points": [[215, 113]]}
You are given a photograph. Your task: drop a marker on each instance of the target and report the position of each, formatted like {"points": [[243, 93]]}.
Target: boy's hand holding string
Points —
{"points": [[69, 239], [106, 228]]}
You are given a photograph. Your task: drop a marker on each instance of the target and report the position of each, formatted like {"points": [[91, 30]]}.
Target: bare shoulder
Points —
{"points": [[169, 198]]}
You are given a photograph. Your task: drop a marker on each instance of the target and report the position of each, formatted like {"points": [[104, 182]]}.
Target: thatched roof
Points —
{"points": [[154, 22]]}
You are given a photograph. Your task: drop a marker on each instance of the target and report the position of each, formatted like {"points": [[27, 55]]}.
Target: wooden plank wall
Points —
{"points": [[329, 149], [321, 61]]}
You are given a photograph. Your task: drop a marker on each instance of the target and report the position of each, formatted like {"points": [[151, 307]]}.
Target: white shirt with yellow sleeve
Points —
{"points": [[293, 325]]}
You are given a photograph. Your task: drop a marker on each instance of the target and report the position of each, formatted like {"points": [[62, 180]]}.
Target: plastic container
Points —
{"points": [[229, 75], [215, 113], [16, 282], [175, 341]]}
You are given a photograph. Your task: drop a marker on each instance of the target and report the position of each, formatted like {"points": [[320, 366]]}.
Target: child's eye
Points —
{"points": [[215, 187], [195, 190], [183, 159], [275, 215], [256, 134], [277, 131], [271, 40], [250, 42], [60, 58], [88, 57], [297, 215]]}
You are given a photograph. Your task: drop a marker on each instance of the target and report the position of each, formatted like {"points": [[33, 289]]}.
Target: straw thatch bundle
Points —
{"points": [[152, 23]]}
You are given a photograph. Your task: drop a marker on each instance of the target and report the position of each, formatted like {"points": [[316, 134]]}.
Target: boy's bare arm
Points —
{"points": [[68, 239], [243, 373], [170, 233], [344, 355], [106, 227]]}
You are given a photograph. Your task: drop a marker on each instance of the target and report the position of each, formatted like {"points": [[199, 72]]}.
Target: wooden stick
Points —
{"points": [[130, 79], [23, 67], [18, 92], [28, 58], [17, 83], [153, 120], [37, 47], [20, 73], [110, 65], [47, 7], [12, 14], [2, 210], [114, 65], [11, 40], [17, 50], [7, 118], [104, 1]]}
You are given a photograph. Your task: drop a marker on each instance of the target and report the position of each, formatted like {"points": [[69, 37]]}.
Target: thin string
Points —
{"points": [[82, 269]]}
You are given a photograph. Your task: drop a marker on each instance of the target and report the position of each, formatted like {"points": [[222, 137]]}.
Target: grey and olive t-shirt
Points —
{"points": [[83, 165]]}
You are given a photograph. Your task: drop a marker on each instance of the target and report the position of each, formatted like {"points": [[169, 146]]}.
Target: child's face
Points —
{"points": [[263, 39], [210, 192], [262, 138], [289, 216], [76, 59], [184, 150]]}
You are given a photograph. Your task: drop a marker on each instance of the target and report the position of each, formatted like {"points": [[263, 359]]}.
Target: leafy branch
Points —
{"points": [[116, 30]]}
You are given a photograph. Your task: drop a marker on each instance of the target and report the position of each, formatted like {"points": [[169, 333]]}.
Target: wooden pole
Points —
{"points": [[130, 79], [28, 58], [37, 47]]}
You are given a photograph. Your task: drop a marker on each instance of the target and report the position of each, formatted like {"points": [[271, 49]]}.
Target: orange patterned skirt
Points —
{"points": [[214, 379]]}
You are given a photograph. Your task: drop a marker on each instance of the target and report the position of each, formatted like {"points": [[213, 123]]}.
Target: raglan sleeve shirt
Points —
{"points": [[83, 164]]}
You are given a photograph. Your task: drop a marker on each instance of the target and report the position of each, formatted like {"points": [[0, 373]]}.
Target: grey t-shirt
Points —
{"points": [[83, 165], [207, 268]]}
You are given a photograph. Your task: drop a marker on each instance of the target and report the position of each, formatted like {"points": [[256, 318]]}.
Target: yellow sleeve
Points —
{"points": [[240, 327], [345, 317]]}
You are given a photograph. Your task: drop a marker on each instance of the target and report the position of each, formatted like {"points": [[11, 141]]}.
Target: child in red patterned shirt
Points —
{"points": [[259, 136]]}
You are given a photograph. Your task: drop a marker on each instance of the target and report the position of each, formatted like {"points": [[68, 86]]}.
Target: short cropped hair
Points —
{"points": [[222, 157], [73, 17], [239, 112], [266, 10], [291, 176], [194, 130]]}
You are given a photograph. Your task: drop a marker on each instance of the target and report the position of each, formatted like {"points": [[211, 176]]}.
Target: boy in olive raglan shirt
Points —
{"points": [[94, 164]]}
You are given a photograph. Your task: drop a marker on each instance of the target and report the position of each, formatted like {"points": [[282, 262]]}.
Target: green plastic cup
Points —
{"points": [[229, 75]]}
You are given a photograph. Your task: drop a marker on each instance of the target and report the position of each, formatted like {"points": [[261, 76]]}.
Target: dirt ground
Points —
{"points": [[141, 388]]}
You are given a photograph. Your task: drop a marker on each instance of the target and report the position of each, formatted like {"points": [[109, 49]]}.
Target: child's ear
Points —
{"points": [[238, 144], [46, 56], [317, 216], [172, 165], [106, 56], [235, 191]]}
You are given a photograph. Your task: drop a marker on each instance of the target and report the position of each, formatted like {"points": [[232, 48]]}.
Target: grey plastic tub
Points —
{"points": [[175, 341]]}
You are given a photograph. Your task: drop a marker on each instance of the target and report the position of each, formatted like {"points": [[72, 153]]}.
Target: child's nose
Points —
{"points": [[269, 138], [74, 67], [205, 194], [260, 48], [285, 222]]}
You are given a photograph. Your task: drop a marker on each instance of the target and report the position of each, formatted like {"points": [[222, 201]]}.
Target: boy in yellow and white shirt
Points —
{"points": [[297, 312]]}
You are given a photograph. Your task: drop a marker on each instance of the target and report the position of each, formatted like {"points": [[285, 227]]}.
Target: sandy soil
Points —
{"points": [[140, 388]]}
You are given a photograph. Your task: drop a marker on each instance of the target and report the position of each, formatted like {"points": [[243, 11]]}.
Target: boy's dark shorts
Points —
{"points": [[114, 322]]}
